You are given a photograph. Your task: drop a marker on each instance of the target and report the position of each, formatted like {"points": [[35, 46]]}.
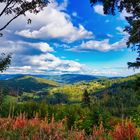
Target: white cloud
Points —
{"points": [[102, 46], [50, 62], [93, 45], [36, 58], [45, 63], [99, 9], [54, 23], [8, 46], [67, 32], [124, 14], [120, 44], [63, 5], [121, 31], [44, 47]]}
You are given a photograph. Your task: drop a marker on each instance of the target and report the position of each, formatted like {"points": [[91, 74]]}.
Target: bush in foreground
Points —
{"points": [[20, 128]]}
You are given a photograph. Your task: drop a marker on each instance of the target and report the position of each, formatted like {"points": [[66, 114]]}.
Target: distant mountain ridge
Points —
{"points": [[64, 78]]}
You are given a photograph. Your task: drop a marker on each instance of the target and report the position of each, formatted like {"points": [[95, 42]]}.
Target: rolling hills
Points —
{"points": [[64, 78], [31, 87], [27, 83]]}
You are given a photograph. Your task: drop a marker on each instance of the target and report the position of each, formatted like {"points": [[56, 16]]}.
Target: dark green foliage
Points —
{"points": [[117, 98], [57, 98], [122, 96], [27, 84], [133, 29], [5, 61], [122, 101], [30, 109], [1, 99], [100, 115], [135, 116], [86, 98], [76, 116]]}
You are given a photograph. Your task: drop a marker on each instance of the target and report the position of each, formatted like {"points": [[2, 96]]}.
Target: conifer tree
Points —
{"points": [[86, 98]]}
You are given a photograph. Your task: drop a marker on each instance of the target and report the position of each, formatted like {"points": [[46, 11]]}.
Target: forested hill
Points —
{"points": [[32, 83], [132, 81], [27, 83], [109, 92]]}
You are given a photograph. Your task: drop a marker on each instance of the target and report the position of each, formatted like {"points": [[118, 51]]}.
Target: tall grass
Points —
{"points": [[21, 128]]}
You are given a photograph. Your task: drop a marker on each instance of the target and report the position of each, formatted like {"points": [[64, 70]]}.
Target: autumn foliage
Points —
{"points": [[20, 128]]}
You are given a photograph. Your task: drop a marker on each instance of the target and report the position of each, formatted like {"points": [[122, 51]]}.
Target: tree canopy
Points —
{"points": [[5, 61], [133, 8], [13, 9]]}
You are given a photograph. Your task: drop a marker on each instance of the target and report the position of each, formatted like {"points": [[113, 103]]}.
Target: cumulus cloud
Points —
{"points": [[102, 46], [121, 31], [9, 46], [45, 63], [49, 62], [37, 57], [68, 33], [93, 45], [44, 47], [54, 23], [99, 9]]}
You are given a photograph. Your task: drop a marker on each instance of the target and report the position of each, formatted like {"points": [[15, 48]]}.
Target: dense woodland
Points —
{"points": [[103, 101]]}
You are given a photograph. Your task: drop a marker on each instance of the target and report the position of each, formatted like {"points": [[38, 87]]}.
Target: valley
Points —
{"points": [[100, 101]]}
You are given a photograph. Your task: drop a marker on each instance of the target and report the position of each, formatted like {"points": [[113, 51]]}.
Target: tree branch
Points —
{"points": [[9, 22], [12, 6], [2, 12]]}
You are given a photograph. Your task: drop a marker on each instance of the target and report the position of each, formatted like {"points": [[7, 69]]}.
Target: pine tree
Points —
{"points": [[86, 98]]}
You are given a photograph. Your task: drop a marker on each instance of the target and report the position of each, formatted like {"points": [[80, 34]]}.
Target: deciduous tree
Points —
{"points": [[5, 61]]}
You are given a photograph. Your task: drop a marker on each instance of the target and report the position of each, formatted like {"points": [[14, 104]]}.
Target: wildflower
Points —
{"points": [[19, 123]]}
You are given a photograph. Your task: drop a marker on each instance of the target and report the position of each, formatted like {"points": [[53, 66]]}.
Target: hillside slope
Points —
{"points": [[27, 83], [99, 87]]}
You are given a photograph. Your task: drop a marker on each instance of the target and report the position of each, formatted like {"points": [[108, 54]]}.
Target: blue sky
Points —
{"points": [[69, 36]]}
